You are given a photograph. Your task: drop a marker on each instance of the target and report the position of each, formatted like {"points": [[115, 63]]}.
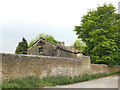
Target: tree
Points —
{"points": [[99, 31], [46, 37], [118, 39], [22, 47], [80, 45]]}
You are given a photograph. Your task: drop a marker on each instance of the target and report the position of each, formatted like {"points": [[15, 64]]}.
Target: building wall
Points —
{"points": [[16, 66], [33, 50], [48, 49], [64, 53]]}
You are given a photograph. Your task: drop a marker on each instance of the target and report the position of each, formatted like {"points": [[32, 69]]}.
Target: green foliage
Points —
{"points": [[26, 82], [59, 80], [36, 82], [97, 75], [64, 80], [22, 47], [114, 73], [45, 36], [80, 45], [99, 31]]}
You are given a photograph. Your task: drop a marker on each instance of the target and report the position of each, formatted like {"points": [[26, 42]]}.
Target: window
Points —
{"points": [[41, 50], [41, 43]]}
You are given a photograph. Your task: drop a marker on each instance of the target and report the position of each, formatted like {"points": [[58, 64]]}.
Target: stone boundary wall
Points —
{"points": [[102, 68], [18, 65]]}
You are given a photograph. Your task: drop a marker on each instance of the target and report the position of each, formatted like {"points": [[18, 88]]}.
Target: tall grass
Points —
{"points": [[37, 82], [25, 82], [64, 80]]}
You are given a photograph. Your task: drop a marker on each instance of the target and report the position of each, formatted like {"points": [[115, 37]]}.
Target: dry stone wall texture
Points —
{"points": [[101, 68], [16, 65]]}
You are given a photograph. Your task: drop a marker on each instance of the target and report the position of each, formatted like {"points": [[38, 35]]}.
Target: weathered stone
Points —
{"points": [[46, 48], [18, 65], [102, 68]]}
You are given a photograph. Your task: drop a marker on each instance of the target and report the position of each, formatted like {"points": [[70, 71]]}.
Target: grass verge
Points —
{"points": [[36, 82]]}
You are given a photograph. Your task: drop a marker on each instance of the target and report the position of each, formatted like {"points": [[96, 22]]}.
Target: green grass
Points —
{"points": [[36, 82]]}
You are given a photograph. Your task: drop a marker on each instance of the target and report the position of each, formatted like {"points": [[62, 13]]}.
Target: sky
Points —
{"points": [[28, 18]]}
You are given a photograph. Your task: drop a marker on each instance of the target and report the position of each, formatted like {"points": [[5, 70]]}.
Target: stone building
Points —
{"points": [[47, 48]]}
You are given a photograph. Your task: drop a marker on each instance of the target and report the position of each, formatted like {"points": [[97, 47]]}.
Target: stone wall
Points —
{"points": [[48, 48], [101, 68], [14, 65]]}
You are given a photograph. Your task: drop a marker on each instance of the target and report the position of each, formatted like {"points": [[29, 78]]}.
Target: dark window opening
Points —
{"points": [[41, 50], [41, 43]]}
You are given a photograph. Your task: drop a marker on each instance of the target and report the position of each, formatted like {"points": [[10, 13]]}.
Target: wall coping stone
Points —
{"points": [[40, 56]]}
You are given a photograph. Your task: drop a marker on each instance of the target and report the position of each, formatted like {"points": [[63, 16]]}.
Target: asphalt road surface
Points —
{"points": [[106, 82]]}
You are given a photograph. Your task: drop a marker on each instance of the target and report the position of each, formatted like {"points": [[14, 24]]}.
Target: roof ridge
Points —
{"points": [[62, 47]]}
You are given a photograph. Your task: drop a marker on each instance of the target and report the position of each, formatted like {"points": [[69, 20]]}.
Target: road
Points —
{"points": [[106, 82]]}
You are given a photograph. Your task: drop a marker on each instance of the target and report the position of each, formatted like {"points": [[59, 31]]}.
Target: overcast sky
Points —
{"points": [[28, 18]]}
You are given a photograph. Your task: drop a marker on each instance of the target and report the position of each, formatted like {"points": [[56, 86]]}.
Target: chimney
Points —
{"points": [[61, 43]]}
